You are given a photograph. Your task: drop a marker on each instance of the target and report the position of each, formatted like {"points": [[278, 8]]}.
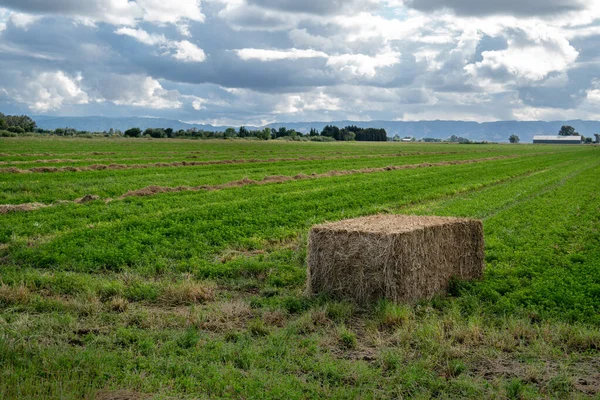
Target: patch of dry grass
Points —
{"points": [[186, 293]]}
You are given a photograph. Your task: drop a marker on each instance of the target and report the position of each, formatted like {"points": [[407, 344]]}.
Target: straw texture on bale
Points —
{"points": [[396, 257]]}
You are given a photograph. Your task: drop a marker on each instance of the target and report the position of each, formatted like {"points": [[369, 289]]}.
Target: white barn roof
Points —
{"points": [[556, 137]]}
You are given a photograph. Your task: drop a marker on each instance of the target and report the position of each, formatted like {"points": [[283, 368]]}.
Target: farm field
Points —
{"points": [[176, 269]]}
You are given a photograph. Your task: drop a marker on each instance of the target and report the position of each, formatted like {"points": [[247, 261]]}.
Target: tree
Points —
{"points": [[133, 132], [331, 131], [588, 140], [281, 132], [597, 136], [567, 130], [15, 129], [230, 132], [313, 132], [265, 134], [514, 139], [243, 132], [169, 132]]}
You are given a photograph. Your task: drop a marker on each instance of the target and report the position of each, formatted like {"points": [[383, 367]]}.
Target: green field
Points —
{"points": [[175, 280]]}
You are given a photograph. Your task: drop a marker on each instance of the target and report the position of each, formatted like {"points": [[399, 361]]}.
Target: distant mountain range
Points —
{"points": [[492, 131]]}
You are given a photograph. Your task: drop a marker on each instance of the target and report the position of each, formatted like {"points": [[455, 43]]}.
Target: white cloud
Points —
{"points": [[115, 12], [142, 36], [50, 91], [312, 101], [172, 11], [348, 64], [188, 52], [184, 29], [183, 50], [198, 104], [361, 64], [302, 38], [275, 55], [593, 93], [22, 20], [532, 57], [138, 91]]}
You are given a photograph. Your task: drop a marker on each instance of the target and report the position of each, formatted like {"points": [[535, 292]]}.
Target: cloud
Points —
{"points": [[22, 20], [143, 37], [317, 7], [361, 64], [266, 60], [274, 55], [506, 7], [115, 12], [188, 52], [529, 55], [49, 91], [302, 38], [172, 11], [183, 50], [347, 64], [138, 91]]}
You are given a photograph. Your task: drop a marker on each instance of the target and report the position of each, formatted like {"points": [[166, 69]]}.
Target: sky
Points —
{"points": [[260, 61]]}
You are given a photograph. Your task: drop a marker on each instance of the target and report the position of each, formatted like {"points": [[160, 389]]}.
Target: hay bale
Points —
{"points": [[397, 257]]}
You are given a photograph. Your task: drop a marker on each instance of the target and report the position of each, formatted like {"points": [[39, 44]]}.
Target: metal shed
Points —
{"points": [[552, 139]]}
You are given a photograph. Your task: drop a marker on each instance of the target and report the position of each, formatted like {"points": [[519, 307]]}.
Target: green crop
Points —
{"points": [[199, 294]]}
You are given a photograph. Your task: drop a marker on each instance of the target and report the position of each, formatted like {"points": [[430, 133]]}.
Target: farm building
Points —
{"points": [[555, 139]]}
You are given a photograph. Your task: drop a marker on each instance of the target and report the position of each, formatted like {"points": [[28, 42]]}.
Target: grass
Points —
{"points": [[200, 294]]}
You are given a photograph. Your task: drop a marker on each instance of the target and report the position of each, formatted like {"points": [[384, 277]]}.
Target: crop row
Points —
{"points": [[48, 188], [183, 230]]}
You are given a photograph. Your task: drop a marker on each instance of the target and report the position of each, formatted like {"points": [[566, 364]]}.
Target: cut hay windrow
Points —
{"points": [[92, 153], [394, 257], [102, 167], [10, 208], [154, 189]]}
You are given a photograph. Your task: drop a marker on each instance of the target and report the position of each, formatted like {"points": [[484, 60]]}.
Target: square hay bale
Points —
{"points": [[397, 257]]}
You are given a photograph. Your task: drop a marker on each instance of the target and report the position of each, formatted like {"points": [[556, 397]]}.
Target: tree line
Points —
{"points": [[17, 123], [12, 125], [24, 124], [330, 132]]}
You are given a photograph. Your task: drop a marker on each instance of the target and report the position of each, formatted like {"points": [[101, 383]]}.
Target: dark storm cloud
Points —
{"points": [[493, 7]]}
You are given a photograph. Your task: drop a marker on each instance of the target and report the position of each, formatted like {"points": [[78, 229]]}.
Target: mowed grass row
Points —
{"points": [[68, 332], [50, 187]]}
